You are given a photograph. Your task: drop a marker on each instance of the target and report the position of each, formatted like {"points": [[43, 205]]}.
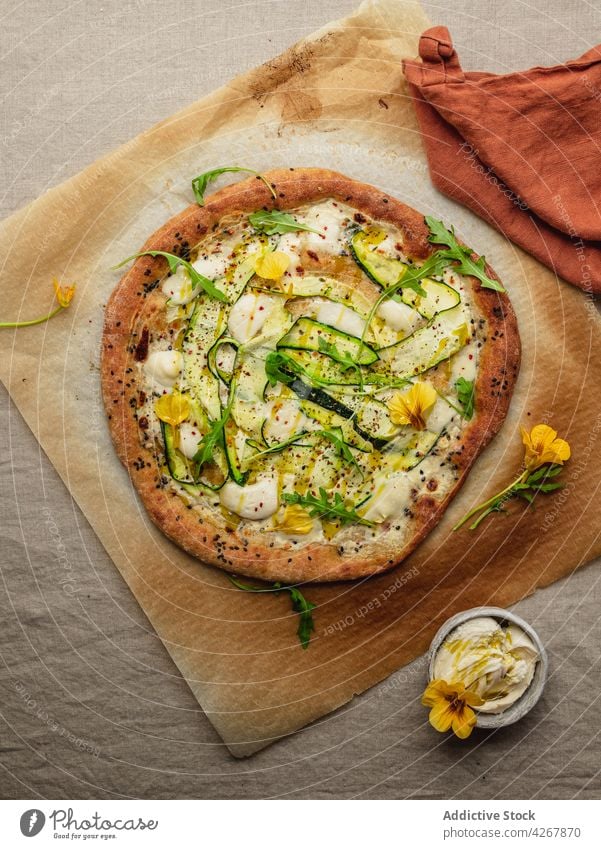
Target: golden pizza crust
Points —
{"points": [[136, 309]]}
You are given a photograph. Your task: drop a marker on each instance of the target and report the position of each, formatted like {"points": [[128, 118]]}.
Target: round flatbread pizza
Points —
{"points": [[299, 374]]}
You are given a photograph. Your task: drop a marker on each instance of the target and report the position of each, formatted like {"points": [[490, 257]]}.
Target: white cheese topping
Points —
{"points": [[341, 317], [178, 287], [327, 218], [497, 663], [398, 316], [213, 265], [189, 437], [254, 501], [390, 496], [285, 418], [248, 315], [164, 367], [463, 363], [289, 244]]}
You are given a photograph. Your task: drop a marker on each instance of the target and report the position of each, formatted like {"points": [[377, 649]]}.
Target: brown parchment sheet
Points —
{"points": [[336, 100]]}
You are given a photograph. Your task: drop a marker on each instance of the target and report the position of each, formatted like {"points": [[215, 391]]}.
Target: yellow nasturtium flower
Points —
{"points": [[172, 409], [542, 446], [64, 294], [271, 265], [451, 707], [410, 408], [296, 520]]}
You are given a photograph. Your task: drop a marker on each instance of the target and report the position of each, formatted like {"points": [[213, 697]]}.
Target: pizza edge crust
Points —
{"points": [[132, 309]]}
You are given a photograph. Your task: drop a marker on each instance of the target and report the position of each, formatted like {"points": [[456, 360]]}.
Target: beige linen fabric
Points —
{"points": [[81, 672]]}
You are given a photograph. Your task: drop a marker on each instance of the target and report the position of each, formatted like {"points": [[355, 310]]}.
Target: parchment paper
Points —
{"points": [[337, 100]]}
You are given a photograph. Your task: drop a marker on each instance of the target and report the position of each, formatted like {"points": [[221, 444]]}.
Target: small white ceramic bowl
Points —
{"points": [[528, 699]]}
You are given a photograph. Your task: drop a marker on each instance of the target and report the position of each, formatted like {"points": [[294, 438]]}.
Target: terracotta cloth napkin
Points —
{"points": [[521, 150]]}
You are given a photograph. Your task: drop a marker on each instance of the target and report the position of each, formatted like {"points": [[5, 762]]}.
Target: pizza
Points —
{"points": [[300, 373]]}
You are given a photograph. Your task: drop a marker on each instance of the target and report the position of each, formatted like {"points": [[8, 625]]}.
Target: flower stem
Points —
{"points": [[521, 477], [32, 321]]}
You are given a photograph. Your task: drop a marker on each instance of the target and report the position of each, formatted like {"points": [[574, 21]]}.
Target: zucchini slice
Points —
{"points": [[329, 419], [373, 421], [387, 271], [180, 469], [383, 270], [406, 453], [439, 297], [307, 334], [442, 337], [206, 323], [217, 368], [234, 462], [320, 369]]}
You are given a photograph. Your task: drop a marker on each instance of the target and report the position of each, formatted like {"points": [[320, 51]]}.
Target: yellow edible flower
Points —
{"points": [[410, 408], [451, 707], [64, 294], [296, 520], [272, 265], [542, 446], [172, 409], [542, 449]]}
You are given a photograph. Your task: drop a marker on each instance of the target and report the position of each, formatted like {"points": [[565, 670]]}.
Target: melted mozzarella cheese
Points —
{"points": [[213, 265], [390, 496], [189, 437], [285, 419], [439, 415], [290, 245], [398, 316], [254, 501], [327, 218], [341, 317], [463, 363], [164, 367], [178, 287], [248, 315]]}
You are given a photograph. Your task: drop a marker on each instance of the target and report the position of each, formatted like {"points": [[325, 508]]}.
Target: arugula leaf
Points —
{"points": [[466, 396], [527, 486], [300, 605], [336, 437], [304, 608], [322, 506], [200, 183], [439, 235], [274, 222], [274, 363], [214, 437], [174, 261]]}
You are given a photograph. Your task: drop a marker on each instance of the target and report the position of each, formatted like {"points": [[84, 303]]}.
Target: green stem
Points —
{"points": [[490, 501], [33, 320]]}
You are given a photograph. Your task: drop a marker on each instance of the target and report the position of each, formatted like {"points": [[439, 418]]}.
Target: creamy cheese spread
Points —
{"points": [[495, 662]]}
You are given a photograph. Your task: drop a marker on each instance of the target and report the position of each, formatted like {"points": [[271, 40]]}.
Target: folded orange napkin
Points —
{"points": [[522, 150]]}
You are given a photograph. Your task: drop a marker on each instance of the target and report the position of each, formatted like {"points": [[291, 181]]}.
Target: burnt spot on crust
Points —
{"points": [[141, 349]]}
